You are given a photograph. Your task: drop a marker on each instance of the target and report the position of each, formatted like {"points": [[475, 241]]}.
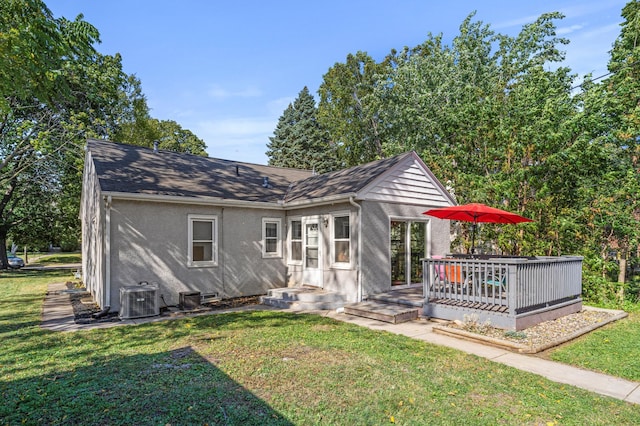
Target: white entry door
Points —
{"points": [[312, 252]]}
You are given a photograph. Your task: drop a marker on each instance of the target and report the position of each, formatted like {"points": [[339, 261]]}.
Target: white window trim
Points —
{"points": [[278, 252], [214, 245], [291, 261], [332, 245]]}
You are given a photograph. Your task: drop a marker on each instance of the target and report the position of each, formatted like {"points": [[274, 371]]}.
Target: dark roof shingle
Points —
{"points": [[134, 169], [341, 182], [138, 170]]}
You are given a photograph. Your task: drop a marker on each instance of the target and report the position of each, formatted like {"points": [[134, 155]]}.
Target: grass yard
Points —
{"points": [[55, 258], [262, 368], [613, 349]]}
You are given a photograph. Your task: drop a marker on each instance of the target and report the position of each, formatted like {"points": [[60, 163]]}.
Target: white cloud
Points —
{"points": [[517, 22], [569, 29], [218, 92]]}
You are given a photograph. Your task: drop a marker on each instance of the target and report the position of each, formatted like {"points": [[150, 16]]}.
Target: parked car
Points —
{"points": [[15, 262]]}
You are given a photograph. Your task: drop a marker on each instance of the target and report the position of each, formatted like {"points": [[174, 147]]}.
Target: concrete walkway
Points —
{"points": [[58, 315]]}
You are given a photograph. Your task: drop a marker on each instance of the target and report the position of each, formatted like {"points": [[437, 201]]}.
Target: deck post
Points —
{"points": [[513, 288]]}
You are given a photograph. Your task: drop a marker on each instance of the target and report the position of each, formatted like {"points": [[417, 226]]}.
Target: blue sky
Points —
{"points": [[226, 70]]}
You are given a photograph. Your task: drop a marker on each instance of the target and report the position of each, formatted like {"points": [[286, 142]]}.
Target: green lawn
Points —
{"points": [[55, 258], [613, 349], [262, 368]]}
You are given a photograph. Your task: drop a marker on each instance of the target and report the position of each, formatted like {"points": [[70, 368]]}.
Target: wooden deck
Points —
{"points": [[512, 293]]}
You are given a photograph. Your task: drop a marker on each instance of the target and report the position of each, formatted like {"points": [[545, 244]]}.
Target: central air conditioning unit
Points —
{"points": [[139, 301]]}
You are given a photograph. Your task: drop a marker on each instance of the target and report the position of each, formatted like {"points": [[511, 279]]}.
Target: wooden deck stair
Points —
{"points": [[382, 311]]}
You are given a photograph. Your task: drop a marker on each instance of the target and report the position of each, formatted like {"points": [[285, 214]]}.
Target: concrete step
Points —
{"points": [[305, 294], [303, 299], [299, 306], [381, 311]]}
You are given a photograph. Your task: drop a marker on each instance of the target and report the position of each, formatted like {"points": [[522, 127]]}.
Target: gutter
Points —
{"points": [[278, 205], [359, 260], [332, 199], [174, 199]]}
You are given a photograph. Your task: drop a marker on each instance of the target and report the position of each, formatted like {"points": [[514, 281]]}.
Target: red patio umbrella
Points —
{"points": [[476, 212]]}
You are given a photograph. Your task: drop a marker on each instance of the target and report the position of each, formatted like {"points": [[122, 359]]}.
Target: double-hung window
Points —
{"points": [[203, 241], [271, 237], [341, 240], [295, 241]]}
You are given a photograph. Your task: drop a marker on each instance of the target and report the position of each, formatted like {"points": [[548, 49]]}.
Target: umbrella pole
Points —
{"points": [[473, 237]]}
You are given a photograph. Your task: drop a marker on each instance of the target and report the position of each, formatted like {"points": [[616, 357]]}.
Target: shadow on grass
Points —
{"points": [[174, 387]]}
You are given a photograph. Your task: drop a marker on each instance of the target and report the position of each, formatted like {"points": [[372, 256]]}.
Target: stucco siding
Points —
{"points": [[342, 278], [92, 219], [246, 272], [149, 242], [376, 256]]}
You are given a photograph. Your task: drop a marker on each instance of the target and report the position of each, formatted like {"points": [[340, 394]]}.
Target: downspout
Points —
{"points": [[221, 251], [107, 250], [359, 258]]}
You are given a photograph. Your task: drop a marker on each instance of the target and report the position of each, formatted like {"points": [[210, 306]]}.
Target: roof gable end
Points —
{"points": [[408, 181]]}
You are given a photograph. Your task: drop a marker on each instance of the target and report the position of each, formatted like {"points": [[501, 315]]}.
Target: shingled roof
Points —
{"points": [[137, 170], [342, 182]]}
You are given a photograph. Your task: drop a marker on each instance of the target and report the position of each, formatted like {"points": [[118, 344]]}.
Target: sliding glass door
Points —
{"points": [[408, 247]]}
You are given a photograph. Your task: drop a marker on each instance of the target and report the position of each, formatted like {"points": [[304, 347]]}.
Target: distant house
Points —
{"points": [[191, 223]]}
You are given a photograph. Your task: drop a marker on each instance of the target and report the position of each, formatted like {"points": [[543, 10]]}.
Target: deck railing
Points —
{"points": [[510, 286]]}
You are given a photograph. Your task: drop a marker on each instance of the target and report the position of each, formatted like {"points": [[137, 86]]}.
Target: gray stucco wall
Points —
{"points": [[149, 242], [376, 262], [342, 279], [92, 216]]}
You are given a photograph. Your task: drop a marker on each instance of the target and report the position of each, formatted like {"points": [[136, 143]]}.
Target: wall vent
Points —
{"points": [[139, 301]]}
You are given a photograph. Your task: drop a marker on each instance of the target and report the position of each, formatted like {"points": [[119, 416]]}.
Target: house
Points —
{"points": [[225, 228]]}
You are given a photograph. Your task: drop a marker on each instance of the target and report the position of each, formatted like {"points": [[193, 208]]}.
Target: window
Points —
{"points": [[203, 244], [295, 241], [341, 239], [271, 239]]}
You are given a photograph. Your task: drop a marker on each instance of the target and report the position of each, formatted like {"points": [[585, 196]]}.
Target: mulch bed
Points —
{"points": [[86, 311]]}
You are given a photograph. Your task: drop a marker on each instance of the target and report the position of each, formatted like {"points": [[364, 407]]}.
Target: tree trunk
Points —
{"points": [[4, 262], [622, 272]]}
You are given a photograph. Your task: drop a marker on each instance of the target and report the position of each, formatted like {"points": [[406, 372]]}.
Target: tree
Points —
{"points": [[57, 91], [42, 60], [611, 116], [348, 111], [299, 139], [487, 117], [139, 128]]}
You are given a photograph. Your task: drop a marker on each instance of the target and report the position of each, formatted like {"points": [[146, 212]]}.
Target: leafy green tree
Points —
{"points": [[299, 139], [348, 111], [42, 59], [139, 128], [487, 116], [611, 114], [57, 91]]}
